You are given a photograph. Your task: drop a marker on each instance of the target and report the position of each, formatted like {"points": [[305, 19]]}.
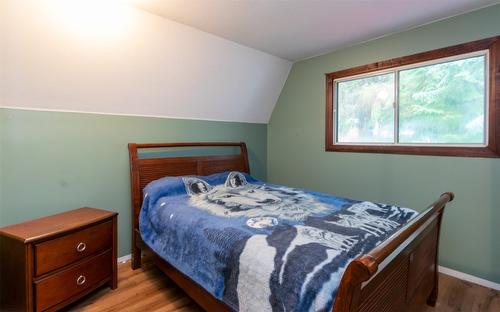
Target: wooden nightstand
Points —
{"points": [[50, 262]]}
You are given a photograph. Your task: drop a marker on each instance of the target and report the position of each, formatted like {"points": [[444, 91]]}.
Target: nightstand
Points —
{"points": [[50, 262]]}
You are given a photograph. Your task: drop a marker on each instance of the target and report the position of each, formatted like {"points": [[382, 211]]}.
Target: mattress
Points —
{"points": [[258, 246]]}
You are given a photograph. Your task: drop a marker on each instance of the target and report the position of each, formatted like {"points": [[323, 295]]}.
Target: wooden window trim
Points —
{"points": [[493, 145]]}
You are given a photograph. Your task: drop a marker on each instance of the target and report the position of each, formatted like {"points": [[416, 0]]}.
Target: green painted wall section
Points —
{"points": [[52, 162], [470, 239]]}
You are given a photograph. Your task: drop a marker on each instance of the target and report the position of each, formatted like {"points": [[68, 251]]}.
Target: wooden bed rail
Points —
{"points": [[365, 267], [375, 257], [185, 144]]}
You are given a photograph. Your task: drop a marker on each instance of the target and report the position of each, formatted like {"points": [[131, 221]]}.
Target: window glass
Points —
{"points": [[443, 103], [365, 111]]}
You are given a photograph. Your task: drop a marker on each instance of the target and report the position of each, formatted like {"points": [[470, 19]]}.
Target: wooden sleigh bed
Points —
{"points": [[400, 274]]}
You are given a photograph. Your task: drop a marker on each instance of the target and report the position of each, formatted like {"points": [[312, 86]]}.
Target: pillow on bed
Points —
{"points": [[172, 186]]}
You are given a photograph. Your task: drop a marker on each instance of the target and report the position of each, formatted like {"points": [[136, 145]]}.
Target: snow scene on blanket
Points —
{"points": [[261, 247]]}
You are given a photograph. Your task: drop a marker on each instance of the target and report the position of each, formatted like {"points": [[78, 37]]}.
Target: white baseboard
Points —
{"points": [[444, 270], [124, 258], [469, 278]]}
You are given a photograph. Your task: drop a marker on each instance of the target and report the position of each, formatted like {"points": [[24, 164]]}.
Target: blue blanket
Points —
{"points": [[261, 247]]}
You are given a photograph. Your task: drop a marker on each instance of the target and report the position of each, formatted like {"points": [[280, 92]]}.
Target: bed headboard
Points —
{"points": [[145, 170]]}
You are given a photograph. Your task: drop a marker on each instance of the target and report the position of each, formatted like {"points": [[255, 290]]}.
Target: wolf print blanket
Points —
{"points": [[261, 247]]}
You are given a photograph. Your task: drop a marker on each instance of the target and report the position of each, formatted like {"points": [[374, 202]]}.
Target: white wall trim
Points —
{"points": [[444, 270], [124, 258], [469, 278], [124, 114]]}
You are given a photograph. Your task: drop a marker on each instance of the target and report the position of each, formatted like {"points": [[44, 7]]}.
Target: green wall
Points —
{"points": [[51, 162], [471, 229]]}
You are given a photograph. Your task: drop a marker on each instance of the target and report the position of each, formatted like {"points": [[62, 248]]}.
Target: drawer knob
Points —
{"points": [[80, 280], [81, 247]]}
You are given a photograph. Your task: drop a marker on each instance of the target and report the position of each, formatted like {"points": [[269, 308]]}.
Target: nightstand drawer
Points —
{"points": [[67, 249], [63, 285]]}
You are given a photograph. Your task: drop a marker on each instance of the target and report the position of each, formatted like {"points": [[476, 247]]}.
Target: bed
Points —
{"points": [[200, 222]]}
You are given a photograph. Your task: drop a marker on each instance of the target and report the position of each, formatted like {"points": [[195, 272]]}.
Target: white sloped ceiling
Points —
{"points": [[298, 29], [128, 61]]}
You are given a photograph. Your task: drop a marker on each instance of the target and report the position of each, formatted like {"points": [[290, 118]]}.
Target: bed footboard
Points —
{"points": [[401, 273]]}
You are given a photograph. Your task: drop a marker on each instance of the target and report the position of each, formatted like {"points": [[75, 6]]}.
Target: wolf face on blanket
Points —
{"points": [[236, 197], [261, 247]]}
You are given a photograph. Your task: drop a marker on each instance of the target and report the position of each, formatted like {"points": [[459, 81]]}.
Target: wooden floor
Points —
{"points": [[147, 289]]}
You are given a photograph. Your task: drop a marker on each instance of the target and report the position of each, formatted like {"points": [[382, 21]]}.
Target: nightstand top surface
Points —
{"points": [[45, 227]]}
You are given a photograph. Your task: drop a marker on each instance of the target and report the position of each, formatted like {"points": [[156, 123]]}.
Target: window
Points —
{"points": [[442, 102]]}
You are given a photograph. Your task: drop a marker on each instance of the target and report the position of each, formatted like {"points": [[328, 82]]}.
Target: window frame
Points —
{"points": [[491, 148]]}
